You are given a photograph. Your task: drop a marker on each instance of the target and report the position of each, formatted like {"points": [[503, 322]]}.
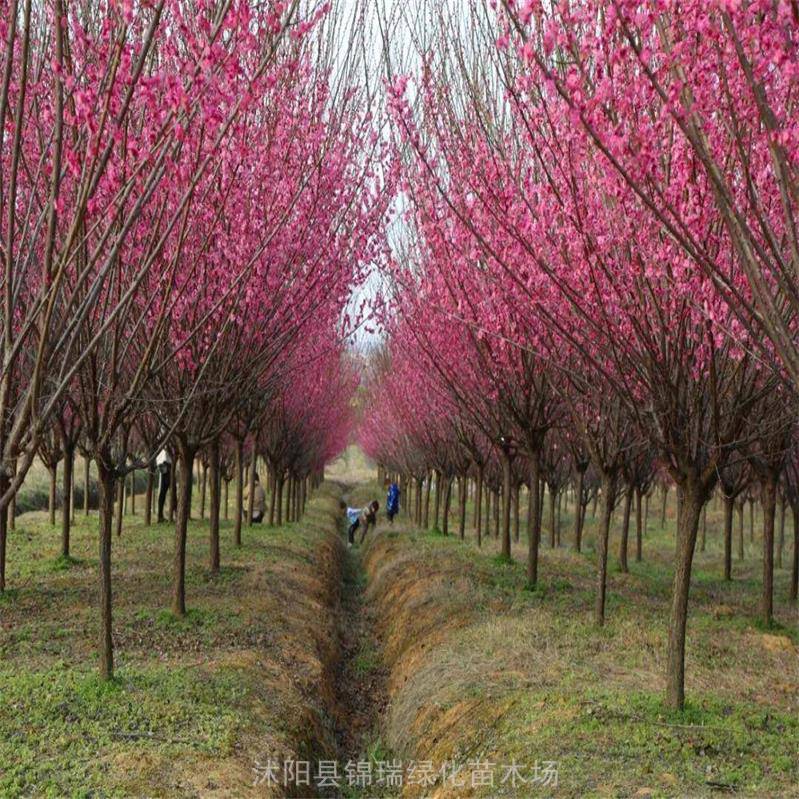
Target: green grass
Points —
{"points": [[195, 699]]}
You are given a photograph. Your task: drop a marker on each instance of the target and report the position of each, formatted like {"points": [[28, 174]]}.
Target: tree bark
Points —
{"points": [[66, 510], [639, 527], [4, 517], [603, 534], [279, 499], [729, 505], [625, 530], [578, 504], [552, 500], [447, 502], [534, 525], [781, 536], [86, 483], [437, 506], [769, 501], [148, 496], [53, 468], [663, 507], [120, 503], [186, 460], [741, 531], [516, 490], [239, 507], [795, 567], [464, 493], [203, 483], [692, 499], [428, 486], [478, 505], [214, 507], [107, 485], [251, 495], [506, 505]]}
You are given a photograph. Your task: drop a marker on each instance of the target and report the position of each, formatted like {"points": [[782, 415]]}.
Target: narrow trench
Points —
{"points": [[361, 696]]}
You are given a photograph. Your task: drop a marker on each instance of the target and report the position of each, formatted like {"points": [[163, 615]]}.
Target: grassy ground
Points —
{"points": [[196, 701], [483, 670]]}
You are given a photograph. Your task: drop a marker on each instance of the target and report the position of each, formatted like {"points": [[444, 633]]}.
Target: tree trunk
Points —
{"points": [[741, 531], [639, 527], [203, 483], [120, 503], [251, 495], [148, 496], [86, 484], [552, 500], [506, 505], [487, 517], [447, 501], [186, 460], [646, 513], [239, 507], [703, 538], [751, 521], [428, 485], [578, 504], [133, 493], [496, 504], [478, 505], [781, 536], [173, 489], [51, 499], [795, 567], [625, 530], [729, 505], [692, 500], [516, 490], [213, 509], [4, 516], [769, 501], [534, 524], [462, 509], [66, 510], [437, 506], [603, 535], [663, 507], [279, 480], [107, 485]]}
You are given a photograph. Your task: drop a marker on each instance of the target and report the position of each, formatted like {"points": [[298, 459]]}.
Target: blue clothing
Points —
{"points": [[353, 514], [392, 499]]}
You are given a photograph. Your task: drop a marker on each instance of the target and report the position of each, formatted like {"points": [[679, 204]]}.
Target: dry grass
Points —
{"points": [[482, 668]]}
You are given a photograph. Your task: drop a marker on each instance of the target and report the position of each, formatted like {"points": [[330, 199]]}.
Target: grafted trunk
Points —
{"points": [[534, 523], [692, 498], [578, 505], [625, 531], [66, 510], [769, 500], [106, 483], [603, 534], [506, 505], [729, 505], [213, 510], [186, 461]]}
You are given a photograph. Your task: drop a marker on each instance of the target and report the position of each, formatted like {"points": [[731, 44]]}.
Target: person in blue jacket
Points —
{"points": [[392, 501]]}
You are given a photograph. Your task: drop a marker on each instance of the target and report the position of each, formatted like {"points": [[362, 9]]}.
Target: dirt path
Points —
{"points": [[361, 679]]}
